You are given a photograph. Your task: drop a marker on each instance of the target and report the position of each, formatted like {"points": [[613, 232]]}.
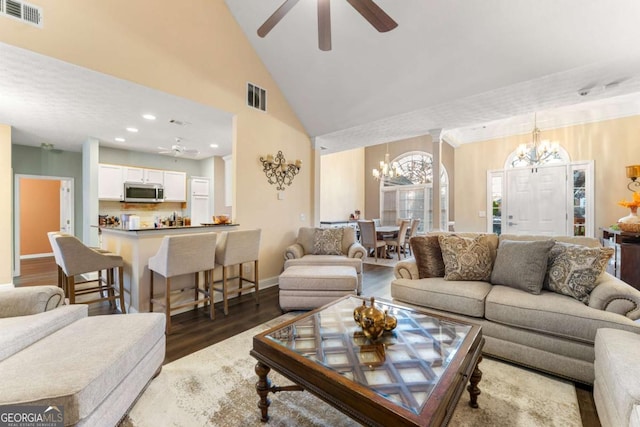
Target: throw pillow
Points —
{"points": [[573, 270], [426, 251], [466, 258], [522, 265], [327, 241]]}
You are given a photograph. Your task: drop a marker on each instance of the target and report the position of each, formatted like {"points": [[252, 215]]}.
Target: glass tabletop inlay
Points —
{"points": [[403, 366]]}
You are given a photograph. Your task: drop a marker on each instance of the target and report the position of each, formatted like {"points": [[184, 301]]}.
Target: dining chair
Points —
{"points": [[399, 241], [415, 224], [237, 248], [369, 237], [179, 255], [74, 258]]}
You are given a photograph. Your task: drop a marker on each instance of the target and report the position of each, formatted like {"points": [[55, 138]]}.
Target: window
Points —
{"points": [[410, 193]]}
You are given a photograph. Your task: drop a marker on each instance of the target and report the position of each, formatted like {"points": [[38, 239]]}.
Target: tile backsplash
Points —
{"points": [[146, 211]]}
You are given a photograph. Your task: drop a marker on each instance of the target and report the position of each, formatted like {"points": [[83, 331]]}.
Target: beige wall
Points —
{"points": [[6, 192], [342, 186], [203, 56], [374, 154], [612, 144]]}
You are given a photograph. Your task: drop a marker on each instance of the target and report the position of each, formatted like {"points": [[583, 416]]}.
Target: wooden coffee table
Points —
{"points": [[411, 376]]}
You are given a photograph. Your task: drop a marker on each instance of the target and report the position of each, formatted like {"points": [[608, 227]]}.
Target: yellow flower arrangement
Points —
{"points": [[633, 203]]}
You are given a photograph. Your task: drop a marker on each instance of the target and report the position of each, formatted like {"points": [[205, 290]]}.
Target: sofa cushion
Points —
{"points": [[426, 251], [327, 241], [462, 297], [92, 356], [466, 258], [319, 277], [574, 270], [551, 313], [591, 242], [326, 260], [521, 265], [306, 236], [18, 333]]}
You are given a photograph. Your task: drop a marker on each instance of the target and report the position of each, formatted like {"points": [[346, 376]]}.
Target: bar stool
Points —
{"points": [[74, 258], [237, 248], [184, 254]]}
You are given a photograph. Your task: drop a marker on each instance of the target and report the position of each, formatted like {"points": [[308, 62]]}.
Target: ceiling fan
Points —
{"points": [[178, 150], [370, 11]]}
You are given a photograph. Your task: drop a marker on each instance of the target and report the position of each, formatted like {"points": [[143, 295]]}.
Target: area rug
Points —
{"points": [[216, 387]]}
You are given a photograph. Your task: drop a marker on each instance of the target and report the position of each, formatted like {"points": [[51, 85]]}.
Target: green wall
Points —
{"points": [[64, 164]]}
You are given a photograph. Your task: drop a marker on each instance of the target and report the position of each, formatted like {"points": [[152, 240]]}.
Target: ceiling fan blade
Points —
{"points": [[372, 13], [276, 17], [324, 25]]}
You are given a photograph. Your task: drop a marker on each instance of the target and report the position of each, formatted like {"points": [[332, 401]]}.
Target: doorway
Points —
{"points": [[41, 204], [536, 201]]}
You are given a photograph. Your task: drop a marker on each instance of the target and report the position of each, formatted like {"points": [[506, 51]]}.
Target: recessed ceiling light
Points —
{"points": [[120, 139], [134, 130], [149, 116], [213, 145]]}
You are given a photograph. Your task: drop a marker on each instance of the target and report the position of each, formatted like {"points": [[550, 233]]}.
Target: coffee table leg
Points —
{"points": [[472, 388], [263, 386]]}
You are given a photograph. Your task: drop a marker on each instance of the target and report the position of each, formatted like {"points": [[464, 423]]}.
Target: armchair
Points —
{"points": [[307, 250]]}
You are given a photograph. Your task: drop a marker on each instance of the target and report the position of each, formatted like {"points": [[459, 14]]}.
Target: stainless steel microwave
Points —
{"points": [[143, 193]]}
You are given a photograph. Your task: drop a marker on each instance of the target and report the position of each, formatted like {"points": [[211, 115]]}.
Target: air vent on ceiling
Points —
{"points": [[21, 11], [256, 97]]}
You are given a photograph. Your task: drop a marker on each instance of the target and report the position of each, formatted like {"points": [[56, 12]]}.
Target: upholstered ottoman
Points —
{"points": [[304, 287], [616, 389]]}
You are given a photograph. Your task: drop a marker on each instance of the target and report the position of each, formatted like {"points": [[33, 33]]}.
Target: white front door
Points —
{"points": [[536, 200]]}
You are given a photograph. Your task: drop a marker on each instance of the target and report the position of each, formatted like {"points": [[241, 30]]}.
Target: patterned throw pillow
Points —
{"points": [[573, 270], [466, 258], [327, 241], [426, 250]]}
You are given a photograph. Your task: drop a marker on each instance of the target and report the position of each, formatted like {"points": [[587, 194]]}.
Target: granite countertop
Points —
{"points": [[120, 228]]}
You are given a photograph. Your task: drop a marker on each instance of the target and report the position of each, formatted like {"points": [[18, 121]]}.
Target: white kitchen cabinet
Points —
{"points": [[145, 176], [110, 182], [175, 186], [130, 174]]}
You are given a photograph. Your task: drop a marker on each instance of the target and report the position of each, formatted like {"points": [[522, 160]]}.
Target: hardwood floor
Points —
{"points": [[193, 330]]}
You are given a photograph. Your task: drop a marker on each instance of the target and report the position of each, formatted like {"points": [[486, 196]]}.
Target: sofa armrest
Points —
{"points": [[612, 294], [406, 270], [30, 300], [294, 251], [356, 250]]}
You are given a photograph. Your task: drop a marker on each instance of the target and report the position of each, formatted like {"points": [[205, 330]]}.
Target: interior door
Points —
{"points": [[66, 206], [536, 200]]}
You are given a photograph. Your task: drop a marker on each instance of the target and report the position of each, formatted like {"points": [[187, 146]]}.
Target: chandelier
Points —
{"points": [[387, 169], [536, 152]]}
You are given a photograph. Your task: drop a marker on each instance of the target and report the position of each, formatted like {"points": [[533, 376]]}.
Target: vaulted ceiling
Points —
{"points": [[476, 69]]}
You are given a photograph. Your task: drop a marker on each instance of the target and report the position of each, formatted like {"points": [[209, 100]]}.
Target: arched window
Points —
{"points": [[410, 193]]}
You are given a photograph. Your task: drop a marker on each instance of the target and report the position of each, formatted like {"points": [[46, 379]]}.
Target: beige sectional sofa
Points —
{"points": [[53, 354], [548, 331]]}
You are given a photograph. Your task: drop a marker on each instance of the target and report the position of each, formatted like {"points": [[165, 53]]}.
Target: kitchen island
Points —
{"points": [[136, 247]]}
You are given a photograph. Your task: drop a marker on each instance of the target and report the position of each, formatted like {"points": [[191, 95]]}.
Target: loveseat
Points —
{"points": [[327, 246], [54, 355], [546, 330]]}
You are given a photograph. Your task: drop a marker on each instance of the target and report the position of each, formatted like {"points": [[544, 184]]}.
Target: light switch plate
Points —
{"points": [[280, 195], [482, 214]]}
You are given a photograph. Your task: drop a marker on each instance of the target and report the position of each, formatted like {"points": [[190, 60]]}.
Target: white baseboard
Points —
{"points": [[31, 256]]}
